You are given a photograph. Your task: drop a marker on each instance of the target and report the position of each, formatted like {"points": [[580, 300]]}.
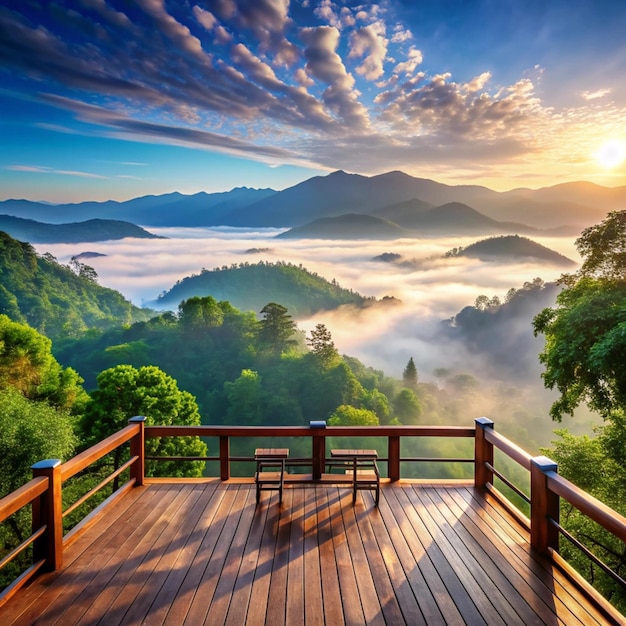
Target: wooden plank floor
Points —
{"points": [[203, 553]]}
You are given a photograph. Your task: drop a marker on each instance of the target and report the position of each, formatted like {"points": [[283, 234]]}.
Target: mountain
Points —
{"points": [[350, 226], [574, 205], [173, 209], [452, 218], [340, 193], [511, 248], [53, 299], [249, 287], [91, 230]]}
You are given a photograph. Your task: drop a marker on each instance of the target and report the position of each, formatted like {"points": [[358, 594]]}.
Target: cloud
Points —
{"points": [[401, 34], [326, 65], [116, 18], [266, 20], [408, 67], [36, 169], [159, 132], [370, 42], [238, 74], [595, 95], [434, 289]]}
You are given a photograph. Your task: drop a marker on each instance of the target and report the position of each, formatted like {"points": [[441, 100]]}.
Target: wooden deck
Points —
{"points": [[203, 553]]}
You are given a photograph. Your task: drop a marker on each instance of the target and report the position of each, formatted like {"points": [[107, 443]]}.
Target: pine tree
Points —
{"points": [[409, 376]]}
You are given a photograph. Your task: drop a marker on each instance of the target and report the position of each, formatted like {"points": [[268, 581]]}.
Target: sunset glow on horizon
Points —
{"points": [[110, 99]]}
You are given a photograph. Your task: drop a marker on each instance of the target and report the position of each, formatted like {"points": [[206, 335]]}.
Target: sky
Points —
{"points": [[115, 99]]}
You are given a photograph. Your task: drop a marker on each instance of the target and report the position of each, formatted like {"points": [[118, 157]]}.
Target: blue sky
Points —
{"points": [[113, 99]]}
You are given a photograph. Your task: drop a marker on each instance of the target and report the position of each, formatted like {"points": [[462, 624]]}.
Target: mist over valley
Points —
{"points": [[417, 270]]}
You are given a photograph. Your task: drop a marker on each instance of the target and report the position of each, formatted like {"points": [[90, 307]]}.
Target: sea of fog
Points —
{"points": [[430, 287]]}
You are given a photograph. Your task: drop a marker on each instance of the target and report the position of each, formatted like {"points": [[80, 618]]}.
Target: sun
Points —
{"points": [[611, 153]]}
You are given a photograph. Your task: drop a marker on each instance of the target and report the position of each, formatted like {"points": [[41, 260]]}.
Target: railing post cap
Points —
{"points": [[544, 463], [137, 419], [317, 424], [484, 422], [46, 464]]}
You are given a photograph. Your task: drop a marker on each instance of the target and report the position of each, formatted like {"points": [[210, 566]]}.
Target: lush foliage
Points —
{"points": [[250, 286], [27, 364], [52, 298], [124, 392], [586, 333], [30, 431]]}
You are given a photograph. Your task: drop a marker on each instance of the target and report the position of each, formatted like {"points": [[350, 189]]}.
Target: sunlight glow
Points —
{"points": [[611, 154]]}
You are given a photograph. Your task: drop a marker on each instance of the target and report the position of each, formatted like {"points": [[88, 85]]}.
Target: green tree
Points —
{"points": [[84, 271], [245, 399], [30, 431], [346, 415], [409, 375], [322, 346], [586, 332], [276, 329], [198, 314], [27, 364], [406, 407], [124, 392]]}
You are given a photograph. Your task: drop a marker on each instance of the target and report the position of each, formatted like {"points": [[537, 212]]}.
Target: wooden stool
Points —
{"points": [[361, 464], [270, 470]]}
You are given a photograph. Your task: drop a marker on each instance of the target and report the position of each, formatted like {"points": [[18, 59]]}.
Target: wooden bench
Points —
{"points": [[362, 466], [270, 470]]}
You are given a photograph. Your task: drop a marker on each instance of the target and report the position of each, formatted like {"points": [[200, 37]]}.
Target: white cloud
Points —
{"points": [[595, 95], [206, 18], [401, 34], [326, 65], [408, 67], [370, 42]]}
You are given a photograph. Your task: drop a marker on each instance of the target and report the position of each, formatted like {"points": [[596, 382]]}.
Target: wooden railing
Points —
{"points": [[546, 490], [318, 436], [546, 486], [45, 494]]}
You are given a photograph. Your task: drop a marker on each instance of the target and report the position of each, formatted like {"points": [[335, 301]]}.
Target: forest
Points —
{"points": [[78, 360]]}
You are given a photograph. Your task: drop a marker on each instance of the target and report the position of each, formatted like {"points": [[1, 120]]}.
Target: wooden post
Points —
{"points": [[544, 506], [138, 449], [393, 452], [49, 513], [224, 457], [318, 449], [483, 453]]}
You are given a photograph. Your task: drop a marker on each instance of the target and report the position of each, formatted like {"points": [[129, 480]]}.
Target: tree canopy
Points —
{"points": [[586, 332], [27, 364], [124, 392]]}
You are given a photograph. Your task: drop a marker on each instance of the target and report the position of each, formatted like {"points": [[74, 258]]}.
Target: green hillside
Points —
{"points": [[90, 230], [249, 287], [510, 248], [55, 300]]}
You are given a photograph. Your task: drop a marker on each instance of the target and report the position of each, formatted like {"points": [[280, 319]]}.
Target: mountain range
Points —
{"points": [[394, 196]]}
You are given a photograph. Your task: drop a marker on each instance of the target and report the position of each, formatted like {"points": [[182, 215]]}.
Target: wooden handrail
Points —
{"points": [[305, 431], [512, 450], [318, 436], [588, 505], [85, 459], [19, 498]]}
